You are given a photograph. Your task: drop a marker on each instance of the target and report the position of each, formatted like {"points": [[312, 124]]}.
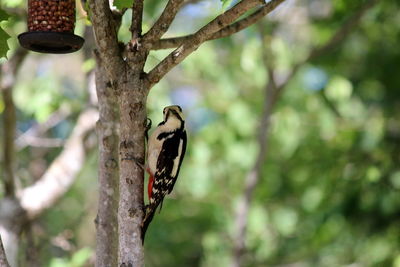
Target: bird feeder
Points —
{"points": [[51, 25]]}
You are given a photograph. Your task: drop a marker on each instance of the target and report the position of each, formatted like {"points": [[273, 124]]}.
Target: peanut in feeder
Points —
{"points": [[51, 26]]}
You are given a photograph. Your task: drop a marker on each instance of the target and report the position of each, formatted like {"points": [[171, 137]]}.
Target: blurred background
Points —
{"points": [[293, 148]]}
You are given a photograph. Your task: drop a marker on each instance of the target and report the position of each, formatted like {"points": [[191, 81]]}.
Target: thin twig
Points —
{"points": [[202, 35], [137, 16], [239, 25], [164, 21]]}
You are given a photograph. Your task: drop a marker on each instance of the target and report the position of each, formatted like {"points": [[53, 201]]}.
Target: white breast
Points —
{"points": [[155, 145]]}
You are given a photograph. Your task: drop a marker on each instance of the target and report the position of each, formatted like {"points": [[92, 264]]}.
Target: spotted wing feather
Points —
{"points": [[173, 150]]}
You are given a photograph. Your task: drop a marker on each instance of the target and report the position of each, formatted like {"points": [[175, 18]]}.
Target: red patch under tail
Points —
{"points": [[150, 186]]}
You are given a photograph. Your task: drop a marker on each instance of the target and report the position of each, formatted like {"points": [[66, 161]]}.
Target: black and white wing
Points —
{"points": [[168, 164]]}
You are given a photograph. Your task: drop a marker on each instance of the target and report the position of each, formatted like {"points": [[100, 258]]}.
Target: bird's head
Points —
{"points": [[174, 112]]}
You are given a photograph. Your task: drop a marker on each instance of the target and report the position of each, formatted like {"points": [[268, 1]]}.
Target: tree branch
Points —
{"points": [[8, 76], [227, 31], [107, 132], [3, 258], [62, 171], [137, 16], [202, 35], [106, 38], [161, 26]]}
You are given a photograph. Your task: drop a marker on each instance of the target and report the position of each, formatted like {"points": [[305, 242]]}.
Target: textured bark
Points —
{"points": [[128, 85], [105, 33], [132, 103], [137, 16], [107, 132]]}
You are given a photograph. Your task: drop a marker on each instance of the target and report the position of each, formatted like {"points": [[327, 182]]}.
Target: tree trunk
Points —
{"points": [[107, 132], [132, 103]]}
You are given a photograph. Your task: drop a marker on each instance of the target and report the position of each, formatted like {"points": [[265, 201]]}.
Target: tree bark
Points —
{"points": [[107, 132], [132, 103]]}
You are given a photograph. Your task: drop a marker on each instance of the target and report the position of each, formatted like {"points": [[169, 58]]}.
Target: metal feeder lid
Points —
{"points": [[51, 42]]}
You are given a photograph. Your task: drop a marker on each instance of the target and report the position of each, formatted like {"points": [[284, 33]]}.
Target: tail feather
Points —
{"points": [[150, 210]]}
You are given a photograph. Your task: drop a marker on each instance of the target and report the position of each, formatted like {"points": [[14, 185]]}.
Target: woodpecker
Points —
{"points": [[165, 152]]}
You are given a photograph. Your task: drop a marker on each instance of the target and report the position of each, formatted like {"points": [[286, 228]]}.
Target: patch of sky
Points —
{"points": [[314, 79]]}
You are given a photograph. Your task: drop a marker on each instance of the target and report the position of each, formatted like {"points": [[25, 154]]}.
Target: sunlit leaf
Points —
{"points": [[339, 89], [226, 4], [3, 35], [121, 4]]}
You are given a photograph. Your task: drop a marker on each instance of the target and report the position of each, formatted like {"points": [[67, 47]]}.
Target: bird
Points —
{"points": [[165, 152]]}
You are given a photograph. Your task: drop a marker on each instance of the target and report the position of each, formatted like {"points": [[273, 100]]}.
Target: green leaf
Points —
{"points": [[13, 3], [3, 35], [81, 256], [121, 4], [3, 43], [226, 4], [3, 15]]}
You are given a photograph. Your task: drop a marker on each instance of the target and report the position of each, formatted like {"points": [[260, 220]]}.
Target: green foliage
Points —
{"points": [[226, 4], [121, 4], [78, 259], [328, 194], [3, 34], [13, 3]]}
